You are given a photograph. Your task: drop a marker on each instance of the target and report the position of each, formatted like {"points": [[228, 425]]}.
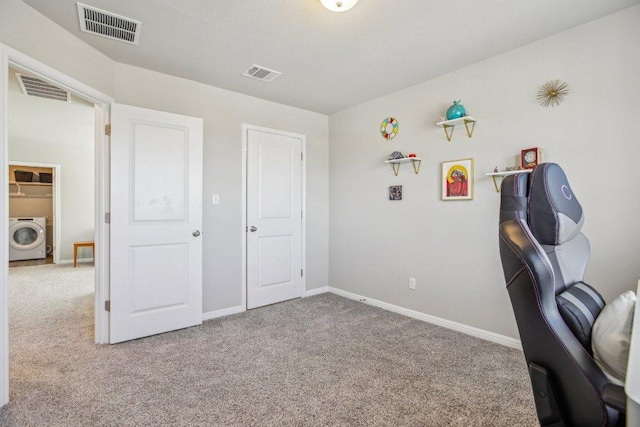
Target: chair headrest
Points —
{"points": [[555, 215], [513, 197]]}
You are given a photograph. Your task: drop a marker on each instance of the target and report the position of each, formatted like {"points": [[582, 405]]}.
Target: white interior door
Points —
{"points": [[274, 217], [156, 218]]}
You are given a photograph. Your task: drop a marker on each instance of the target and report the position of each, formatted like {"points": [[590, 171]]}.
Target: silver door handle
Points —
{"points": [[253, 228], [196, 233]]}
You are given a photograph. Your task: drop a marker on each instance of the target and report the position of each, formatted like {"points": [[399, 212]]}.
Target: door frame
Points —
{"points": [[56, 202], [21, 62], [245, 141]]}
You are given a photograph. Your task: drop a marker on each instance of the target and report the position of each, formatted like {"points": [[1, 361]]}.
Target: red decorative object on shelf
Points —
{"points": [[530, 157]]}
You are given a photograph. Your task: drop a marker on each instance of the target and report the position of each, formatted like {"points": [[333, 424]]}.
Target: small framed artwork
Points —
{"points": [[457, 180], [395, 192]]}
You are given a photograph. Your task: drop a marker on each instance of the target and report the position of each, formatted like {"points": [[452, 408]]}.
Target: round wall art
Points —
{"points": [[389, 128], [552, 93]]}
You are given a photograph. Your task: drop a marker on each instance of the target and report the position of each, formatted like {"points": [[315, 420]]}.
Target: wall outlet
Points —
{"points": [[412, 283]]}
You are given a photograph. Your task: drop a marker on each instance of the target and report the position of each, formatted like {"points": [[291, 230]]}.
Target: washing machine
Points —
{"points": [[27, 238]]}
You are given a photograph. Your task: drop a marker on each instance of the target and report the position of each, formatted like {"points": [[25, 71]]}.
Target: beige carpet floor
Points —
{"points": [[319, 361]]}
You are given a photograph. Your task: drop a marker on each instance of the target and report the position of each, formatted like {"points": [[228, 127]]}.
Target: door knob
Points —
{"points": [[196, 233], [253, 228]]}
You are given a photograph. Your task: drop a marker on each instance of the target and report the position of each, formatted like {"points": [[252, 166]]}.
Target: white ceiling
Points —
{"points": [[329, 61]]}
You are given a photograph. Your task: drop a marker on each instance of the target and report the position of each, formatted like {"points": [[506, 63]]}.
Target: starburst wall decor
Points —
{"points": [[552, 93]]}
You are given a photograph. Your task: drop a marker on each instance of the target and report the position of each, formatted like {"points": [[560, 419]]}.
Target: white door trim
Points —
{"points": [[56, 203], [24, 63], [245, 130], [4, 230]]}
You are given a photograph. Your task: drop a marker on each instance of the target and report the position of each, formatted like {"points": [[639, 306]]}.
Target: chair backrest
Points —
{"points": [[544, 256]]}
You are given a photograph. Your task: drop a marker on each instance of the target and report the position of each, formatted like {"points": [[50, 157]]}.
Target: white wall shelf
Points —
{"points": [[18, 183], [21, 193], [395, 164], [501, 175], [448, 125]]}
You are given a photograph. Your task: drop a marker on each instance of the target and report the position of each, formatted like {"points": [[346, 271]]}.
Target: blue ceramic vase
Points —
{"points": [[456, 111]]}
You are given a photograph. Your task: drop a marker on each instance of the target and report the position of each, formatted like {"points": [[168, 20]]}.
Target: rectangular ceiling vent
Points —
{"points": [[109, 25], [33, 86], [261, 73]]}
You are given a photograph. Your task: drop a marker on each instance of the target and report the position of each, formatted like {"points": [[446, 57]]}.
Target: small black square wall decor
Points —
{"points": [[395, 192]]}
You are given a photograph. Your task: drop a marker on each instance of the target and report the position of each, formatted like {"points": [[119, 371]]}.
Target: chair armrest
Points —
{"points": [[614, 396]]}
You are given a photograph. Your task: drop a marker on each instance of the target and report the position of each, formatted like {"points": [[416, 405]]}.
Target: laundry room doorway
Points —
{"points": [[50, 168], [50, 127]]}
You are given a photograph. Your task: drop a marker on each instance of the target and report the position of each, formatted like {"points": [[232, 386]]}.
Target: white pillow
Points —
{"points": [[611, 335]]}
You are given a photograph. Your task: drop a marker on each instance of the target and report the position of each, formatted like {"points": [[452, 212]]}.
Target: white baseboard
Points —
{"points": [[316, 291], [465, 329], [70, 261], [239, 309], [221, 313], [449, 324]]}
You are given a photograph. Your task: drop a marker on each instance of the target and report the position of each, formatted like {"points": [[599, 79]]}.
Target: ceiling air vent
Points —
{"points": [[260, 73], [33, 86], [109, 25]]}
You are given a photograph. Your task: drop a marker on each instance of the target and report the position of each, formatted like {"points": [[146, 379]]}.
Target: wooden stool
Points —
{"points": [[77, 245]]}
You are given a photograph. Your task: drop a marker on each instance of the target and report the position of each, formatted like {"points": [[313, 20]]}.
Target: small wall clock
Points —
{"points": [[389, 128], [530, 157]]}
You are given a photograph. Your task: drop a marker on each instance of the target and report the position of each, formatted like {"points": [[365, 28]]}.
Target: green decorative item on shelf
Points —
{"points": [[456, 111]]}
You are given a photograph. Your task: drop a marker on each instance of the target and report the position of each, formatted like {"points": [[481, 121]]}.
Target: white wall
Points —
{"points": [[48, 131], [451, 248], [224, 112]]}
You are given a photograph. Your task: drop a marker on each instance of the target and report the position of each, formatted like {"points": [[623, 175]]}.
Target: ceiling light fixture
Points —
{"points": [[337, 5]]}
